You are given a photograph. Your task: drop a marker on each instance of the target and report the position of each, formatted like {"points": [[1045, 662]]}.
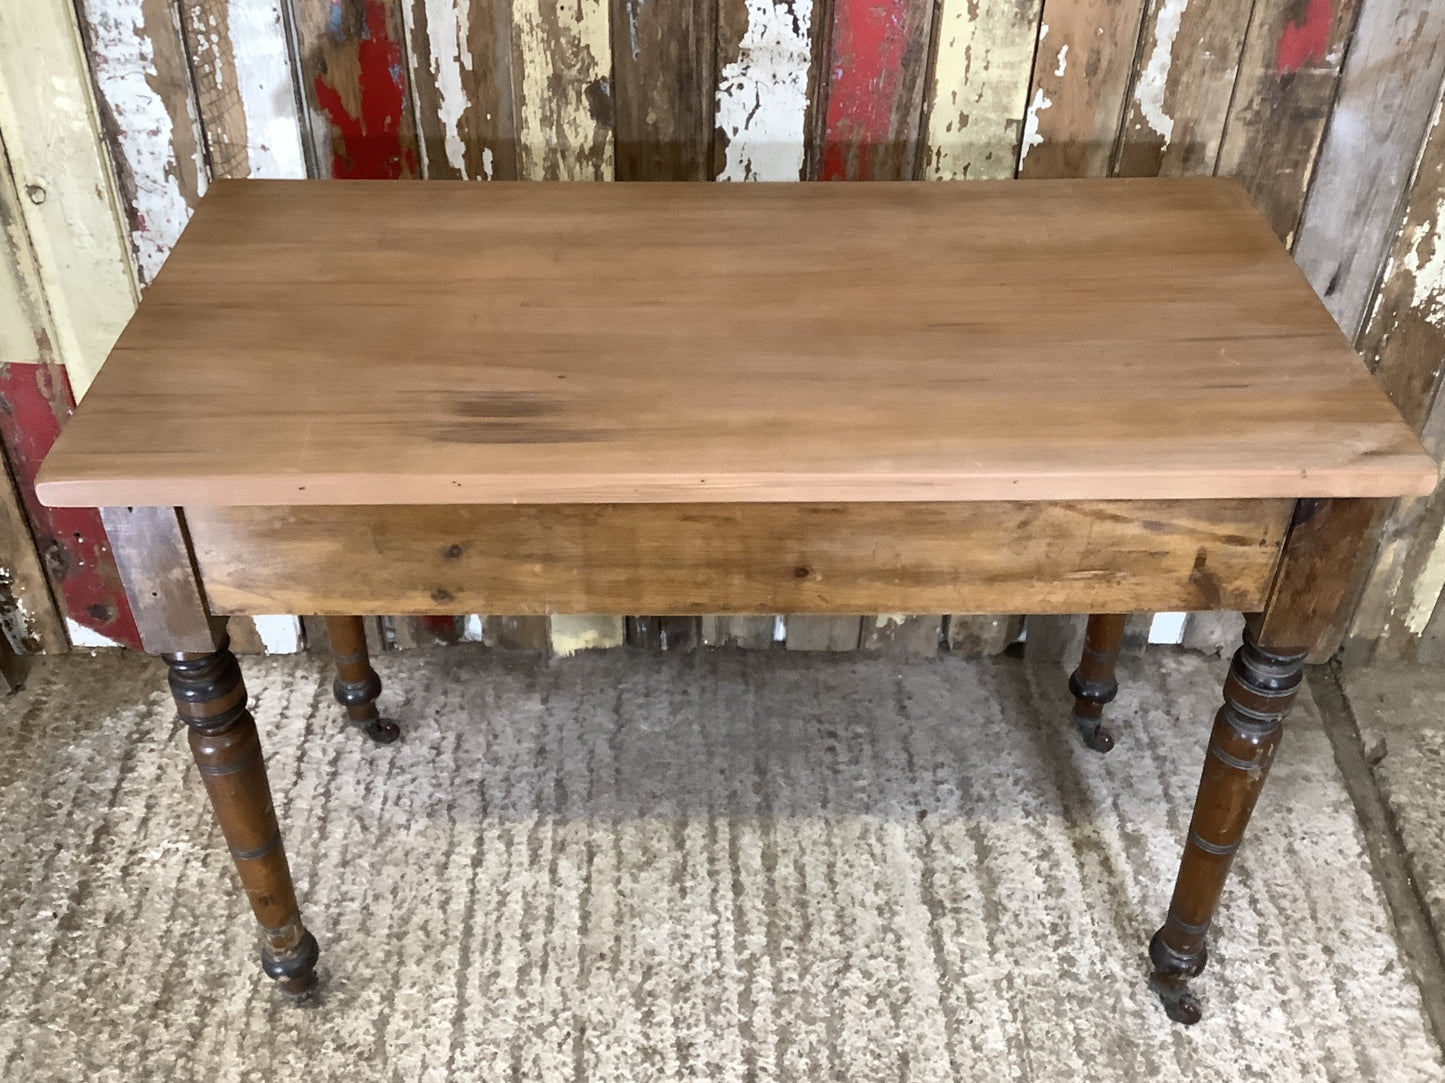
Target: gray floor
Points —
{"points": [[718, 865]]}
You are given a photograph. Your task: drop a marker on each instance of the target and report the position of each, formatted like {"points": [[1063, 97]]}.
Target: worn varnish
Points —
{"points": [[1213, 371], [738, 558]]}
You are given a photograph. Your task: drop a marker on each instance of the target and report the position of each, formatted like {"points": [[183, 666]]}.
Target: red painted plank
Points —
{"points": [[877, 61], [1306, 42], [35, 400]]}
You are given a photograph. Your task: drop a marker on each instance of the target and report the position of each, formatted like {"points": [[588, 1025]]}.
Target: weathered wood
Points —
{"points": [[211, 700], [74, 251], [1213, 633], [809, 632], [1285, 88], [461, 73], [1403, 344], [750, 633], [1208, 356], [1182, 86], [981, 72], [29, 619], [13, 668], [664, 81], [1077, 95], [561, 60], [898, 635], [1387, 96], [872, 99], [148, 114], [155, 560], [1055, 639], [354, 73], [981, 636], [764, 55], [664, 633], [521, 633], [738, 558], [240, 64], [568, 633]]}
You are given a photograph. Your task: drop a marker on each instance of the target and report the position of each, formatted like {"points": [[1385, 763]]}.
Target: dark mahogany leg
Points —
{"points": [[1093, 684], [1257, 695], [211, 699], [357, 684]]}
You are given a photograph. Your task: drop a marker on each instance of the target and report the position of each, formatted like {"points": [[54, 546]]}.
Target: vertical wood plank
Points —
{"points": [[81, 273], [664, 80], [561, 59], [1387, 95], [984, 60], [764, 55], [570, 634], [810, 632], [29, 619], [1403, 343], [749, 633], [1288, 74], [1182, 86], [355, 78], [148, 114], [873, 96], [971, 636], [245, 90], [461, 57], [515, 633], [898, 635], [1080, 80]]}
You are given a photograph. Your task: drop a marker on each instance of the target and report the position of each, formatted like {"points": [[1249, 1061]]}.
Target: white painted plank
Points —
{"points": [[762, 93]]}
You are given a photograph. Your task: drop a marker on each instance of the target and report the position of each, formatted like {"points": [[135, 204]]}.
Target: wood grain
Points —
{"points": [[461, 64], [1213, 371], [1080, 81], [155, 561], [738, 558], [1183, 83], [664, 83], [1288, 74], [354, 74], [1388, 94], [872, 98], [29, 620], [983, 62]]}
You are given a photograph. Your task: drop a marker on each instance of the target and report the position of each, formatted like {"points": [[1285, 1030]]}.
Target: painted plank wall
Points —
{"points": [[1321, 107]]}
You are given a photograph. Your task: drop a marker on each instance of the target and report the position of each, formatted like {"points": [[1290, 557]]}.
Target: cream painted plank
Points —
{"points": [[570, 634], [1388, 92], [765, 48], [48, 117], [985, 57], [241, 66], [148, 116], [561, 60]]}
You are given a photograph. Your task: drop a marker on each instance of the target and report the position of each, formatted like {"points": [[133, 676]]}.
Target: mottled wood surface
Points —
{"points": [[1213, 371]]}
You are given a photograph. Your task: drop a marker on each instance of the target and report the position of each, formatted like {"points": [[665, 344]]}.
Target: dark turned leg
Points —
{"points": [[211, 699], [357, 684], [1093, 684], [1257, 695]]}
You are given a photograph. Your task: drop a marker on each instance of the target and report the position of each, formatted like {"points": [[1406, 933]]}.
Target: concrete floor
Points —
{"points": [[720, 865]]}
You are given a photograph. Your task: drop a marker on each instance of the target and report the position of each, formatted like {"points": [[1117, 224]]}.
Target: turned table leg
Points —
{"points": [[357, 684], [1093, 684], [211, 699]]}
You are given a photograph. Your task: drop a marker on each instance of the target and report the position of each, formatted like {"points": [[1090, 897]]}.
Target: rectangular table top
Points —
{"points": [[325, 342]]}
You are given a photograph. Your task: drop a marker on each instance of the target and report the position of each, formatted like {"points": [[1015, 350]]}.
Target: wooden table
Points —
{"points": [[1044, 397]]}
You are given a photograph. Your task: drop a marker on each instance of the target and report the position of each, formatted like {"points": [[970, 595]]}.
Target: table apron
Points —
{"points": [[969, 557]]}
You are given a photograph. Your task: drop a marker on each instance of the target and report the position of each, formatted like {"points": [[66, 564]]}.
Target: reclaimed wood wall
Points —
{"points": [[116, 114]]}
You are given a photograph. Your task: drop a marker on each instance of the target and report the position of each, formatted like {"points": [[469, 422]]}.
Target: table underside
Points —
{"points": [[953, 557]]}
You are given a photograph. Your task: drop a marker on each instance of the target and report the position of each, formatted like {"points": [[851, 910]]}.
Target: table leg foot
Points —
{"points": [[357, 685], [1258, 692], [211, 699], [1093, 685]]}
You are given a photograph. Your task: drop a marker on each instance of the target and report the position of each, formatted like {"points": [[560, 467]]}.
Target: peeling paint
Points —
{"points": [[1154, 79], [1063, 61], [448, 30], [562, 60], [268, 98], [570, 634], [1305, 43], [981, 84], [762, 96], [368, 144], [1426, 590], [1032, 138], [81, 636], [1425, 262]]}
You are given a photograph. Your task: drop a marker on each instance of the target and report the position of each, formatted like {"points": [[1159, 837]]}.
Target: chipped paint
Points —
{"points": [[152, 121], [1154, 79], [448, 31], [570, 634], [1032, 138], [1305, 44], [980, 88], [264, 80], [762, 95], [562, 59], [1063, 61], [1425, 591], [81, 636], [279, 634], [368, 144], [1425, 262]]}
